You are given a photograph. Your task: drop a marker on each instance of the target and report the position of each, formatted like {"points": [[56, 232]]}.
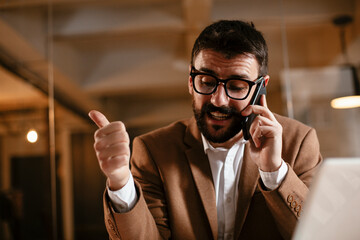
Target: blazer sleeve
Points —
{"points": [[148, 218], [285, 203]]}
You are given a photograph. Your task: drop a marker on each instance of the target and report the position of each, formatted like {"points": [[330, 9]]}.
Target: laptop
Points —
{"points": [[332, 209]]}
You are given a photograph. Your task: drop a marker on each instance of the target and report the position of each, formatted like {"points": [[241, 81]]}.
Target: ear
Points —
{"points": [[267, 78], [190, 83]]}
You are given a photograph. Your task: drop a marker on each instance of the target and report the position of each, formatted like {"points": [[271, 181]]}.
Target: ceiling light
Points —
{"points": [[32, 136], [351, 101], [346, 102]]}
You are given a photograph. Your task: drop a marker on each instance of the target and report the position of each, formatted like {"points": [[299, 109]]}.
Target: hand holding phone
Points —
{"points": [[266, 145], [259, 90]]}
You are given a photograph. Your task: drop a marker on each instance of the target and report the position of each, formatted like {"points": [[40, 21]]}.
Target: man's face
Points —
{"points": [[218, 116]]}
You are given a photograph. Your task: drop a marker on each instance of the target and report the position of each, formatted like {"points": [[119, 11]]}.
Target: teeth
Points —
{"points": [[220, 116]]}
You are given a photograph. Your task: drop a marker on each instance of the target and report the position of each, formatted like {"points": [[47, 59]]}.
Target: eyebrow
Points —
{"points": [[212, 72]]}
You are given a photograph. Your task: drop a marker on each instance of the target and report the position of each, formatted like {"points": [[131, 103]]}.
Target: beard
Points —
{"points": [[218, 133]]}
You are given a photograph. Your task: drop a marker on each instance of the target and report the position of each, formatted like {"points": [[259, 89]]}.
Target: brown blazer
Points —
{"points": [[177, 196]]}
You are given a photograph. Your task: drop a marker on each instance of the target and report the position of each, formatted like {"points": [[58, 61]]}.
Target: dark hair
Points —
{"points": [[232, 38]]}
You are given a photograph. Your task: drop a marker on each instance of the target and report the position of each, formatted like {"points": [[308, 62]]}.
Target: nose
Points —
{"points": [[219, 97]]}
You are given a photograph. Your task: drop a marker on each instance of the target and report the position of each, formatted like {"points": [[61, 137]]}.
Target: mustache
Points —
{"points": [[209, 107]]}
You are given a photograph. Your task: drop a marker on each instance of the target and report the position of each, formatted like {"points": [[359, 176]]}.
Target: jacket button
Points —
{"points": [[290, 198], [293, 204], [298, 208]]}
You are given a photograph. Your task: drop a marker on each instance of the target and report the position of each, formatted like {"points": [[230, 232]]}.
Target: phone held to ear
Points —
{"points": [[259, 90]]}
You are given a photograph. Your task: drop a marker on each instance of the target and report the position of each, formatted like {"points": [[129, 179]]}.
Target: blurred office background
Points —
{"points": [[129, 59]]}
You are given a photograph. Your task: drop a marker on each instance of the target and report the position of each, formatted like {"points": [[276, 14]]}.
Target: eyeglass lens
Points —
{"points": [[235, 88]]}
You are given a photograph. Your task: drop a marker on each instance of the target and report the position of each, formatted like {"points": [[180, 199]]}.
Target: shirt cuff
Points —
{"points": [[272, 180], [124, 199]]}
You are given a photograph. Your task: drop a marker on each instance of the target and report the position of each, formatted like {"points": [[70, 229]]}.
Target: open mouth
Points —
{"points": [[219, 116]]}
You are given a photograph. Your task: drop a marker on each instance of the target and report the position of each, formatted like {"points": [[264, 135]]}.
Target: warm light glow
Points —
{"points": [[346, 102], [32, 136]]}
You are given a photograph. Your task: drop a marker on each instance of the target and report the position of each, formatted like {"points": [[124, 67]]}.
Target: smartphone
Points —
{"points": [[259, 90]]}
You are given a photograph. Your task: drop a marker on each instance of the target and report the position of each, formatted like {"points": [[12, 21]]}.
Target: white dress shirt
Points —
{"points": [[225, 166]]}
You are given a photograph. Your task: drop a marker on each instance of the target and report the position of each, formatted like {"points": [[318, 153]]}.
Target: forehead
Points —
{"points": [[242, 64]]}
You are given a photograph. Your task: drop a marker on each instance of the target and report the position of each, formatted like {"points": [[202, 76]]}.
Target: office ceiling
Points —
{"points": [[128, 49]]}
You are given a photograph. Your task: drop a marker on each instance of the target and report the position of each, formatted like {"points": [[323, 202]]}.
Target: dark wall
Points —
{"points": [[89, 185]]}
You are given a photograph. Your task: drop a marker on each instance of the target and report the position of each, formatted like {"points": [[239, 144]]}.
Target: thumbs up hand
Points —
{"points": [[112, 150]]}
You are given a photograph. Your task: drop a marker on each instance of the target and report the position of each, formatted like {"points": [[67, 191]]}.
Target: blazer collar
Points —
{"points": [[247, 185], [200, 168]]}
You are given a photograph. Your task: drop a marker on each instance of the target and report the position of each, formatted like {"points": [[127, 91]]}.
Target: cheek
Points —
{"points": [[244, 103], [199, 100], [240, 105]]}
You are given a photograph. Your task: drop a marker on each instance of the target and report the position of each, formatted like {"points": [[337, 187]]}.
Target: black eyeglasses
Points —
{"points": [[235, 88]]}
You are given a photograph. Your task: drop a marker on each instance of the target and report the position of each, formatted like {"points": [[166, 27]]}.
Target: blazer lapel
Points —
{"points": [[247, 185], [200, 168]]}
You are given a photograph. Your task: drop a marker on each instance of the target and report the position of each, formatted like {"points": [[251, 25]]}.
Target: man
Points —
{"points": [[199, 178]]}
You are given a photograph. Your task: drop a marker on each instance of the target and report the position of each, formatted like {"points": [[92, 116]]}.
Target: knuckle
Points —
{"points": [[120, 137], [118, 125], [101, 132], [99, 157], [97, 133], [105, 166], [98, 146], [102, 157], [122, 158], [121, 148]]}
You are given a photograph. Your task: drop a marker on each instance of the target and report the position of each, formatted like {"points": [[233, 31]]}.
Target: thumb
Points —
{"points": [[98, 118]]}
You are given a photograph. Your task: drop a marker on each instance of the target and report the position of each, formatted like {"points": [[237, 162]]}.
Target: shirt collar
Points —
{"points": [[209, 147]]}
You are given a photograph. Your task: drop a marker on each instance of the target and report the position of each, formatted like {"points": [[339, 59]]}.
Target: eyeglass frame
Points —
{"points": [[224, 82]]}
